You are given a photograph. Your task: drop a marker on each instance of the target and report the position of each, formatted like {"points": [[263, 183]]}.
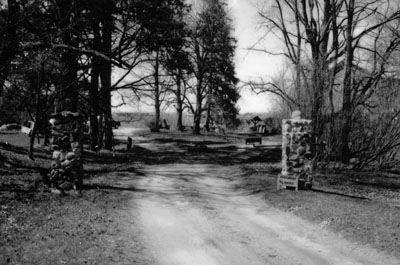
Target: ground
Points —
{"points": [[196, 192]]}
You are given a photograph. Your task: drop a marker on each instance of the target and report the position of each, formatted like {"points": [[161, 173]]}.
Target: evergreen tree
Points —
{"points": [[213, 49]]}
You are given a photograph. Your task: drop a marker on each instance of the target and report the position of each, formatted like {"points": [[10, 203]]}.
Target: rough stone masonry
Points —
{"points": [[66, 166], [296, 153]]}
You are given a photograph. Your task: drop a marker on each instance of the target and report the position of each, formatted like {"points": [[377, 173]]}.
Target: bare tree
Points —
{"points": [[333, 45], [358, 89]]}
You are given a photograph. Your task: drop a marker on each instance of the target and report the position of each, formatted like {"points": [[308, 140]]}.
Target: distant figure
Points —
{"points": [[129, 144], [165, 124]]}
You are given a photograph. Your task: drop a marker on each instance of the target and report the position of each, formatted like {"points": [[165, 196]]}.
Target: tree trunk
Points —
{"points": [[298, 84], [105, 75], [106, 104], [157, 93], [8, 45], [36, 124], [198, 110], [208, 117], [94, 107], [96, 124], [347, 87], [68, 83], [316, 111], [101, 129], [179, 103], [46, 125], [319, 50]]}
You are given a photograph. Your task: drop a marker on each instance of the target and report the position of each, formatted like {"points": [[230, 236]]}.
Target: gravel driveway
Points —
{"points": [[192, 214]]}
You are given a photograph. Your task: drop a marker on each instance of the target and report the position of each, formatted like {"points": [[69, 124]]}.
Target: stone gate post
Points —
{"points": [[66, 166], [297, 157]]}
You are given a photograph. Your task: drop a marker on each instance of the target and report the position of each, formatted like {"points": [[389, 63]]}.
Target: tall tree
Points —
{"points": [[212, 50], [66, 15], [178, 66], [107, 22], [337, 37], [10, 21], [163, 35], [359, 87]]}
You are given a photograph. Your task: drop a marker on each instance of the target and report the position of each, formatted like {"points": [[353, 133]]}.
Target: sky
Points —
{"points": [[250, 65]]}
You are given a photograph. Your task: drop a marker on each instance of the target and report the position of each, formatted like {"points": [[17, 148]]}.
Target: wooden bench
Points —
{"points": [[253, 140]]}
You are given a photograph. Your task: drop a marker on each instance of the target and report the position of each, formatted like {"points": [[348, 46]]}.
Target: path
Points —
{"points": [[191, 214]]}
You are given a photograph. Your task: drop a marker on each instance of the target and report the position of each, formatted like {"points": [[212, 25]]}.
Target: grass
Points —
{"points": [[364, 214]]}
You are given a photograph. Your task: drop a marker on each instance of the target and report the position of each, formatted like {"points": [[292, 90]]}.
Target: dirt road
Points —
{"points": [[168, 201], [192, 214]]}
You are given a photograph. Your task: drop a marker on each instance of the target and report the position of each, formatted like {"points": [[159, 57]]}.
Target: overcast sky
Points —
{"points": [[250, 64]]}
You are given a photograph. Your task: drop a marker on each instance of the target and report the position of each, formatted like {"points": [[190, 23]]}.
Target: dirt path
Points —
{"points": [[191, 214], [174, 203]]}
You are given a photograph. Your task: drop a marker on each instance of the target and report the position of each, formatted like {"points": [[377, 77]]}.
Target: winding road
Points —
{"points": [[192, 214]]}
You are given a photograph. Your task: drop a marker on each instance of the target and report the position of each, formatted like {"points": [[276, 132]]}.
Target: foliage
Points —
{"points": [[212, 47], [11, 109]]}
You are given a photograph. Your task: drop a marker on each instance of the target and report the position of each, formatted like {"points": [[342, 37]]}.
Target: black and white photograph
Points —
{"points": [[199, 132]]}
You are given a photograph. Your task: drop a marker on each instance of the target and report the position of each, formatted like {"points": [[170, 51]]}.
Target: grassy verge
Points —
{"points": [[361, 213], [38, 227]]}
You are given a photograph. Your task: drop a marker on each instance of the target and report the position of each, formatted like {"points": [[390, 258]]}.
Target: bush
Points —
{"points": [[374, 140], [153, 126]]}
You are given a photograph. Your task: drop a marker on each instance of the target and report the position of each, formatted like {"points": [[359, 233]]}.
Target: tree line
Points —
{"points": [[342, 57], [71, 55]]}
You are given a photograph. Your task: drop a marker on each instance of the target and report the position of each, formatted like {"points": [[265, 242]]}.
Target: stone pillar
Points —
{"points": [[66, 166], [297, 158]]}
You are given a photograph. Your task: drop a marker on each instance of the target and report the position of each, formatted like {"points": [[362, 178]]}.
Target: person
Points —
{"points": [[129, 144], [165, 124]]}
